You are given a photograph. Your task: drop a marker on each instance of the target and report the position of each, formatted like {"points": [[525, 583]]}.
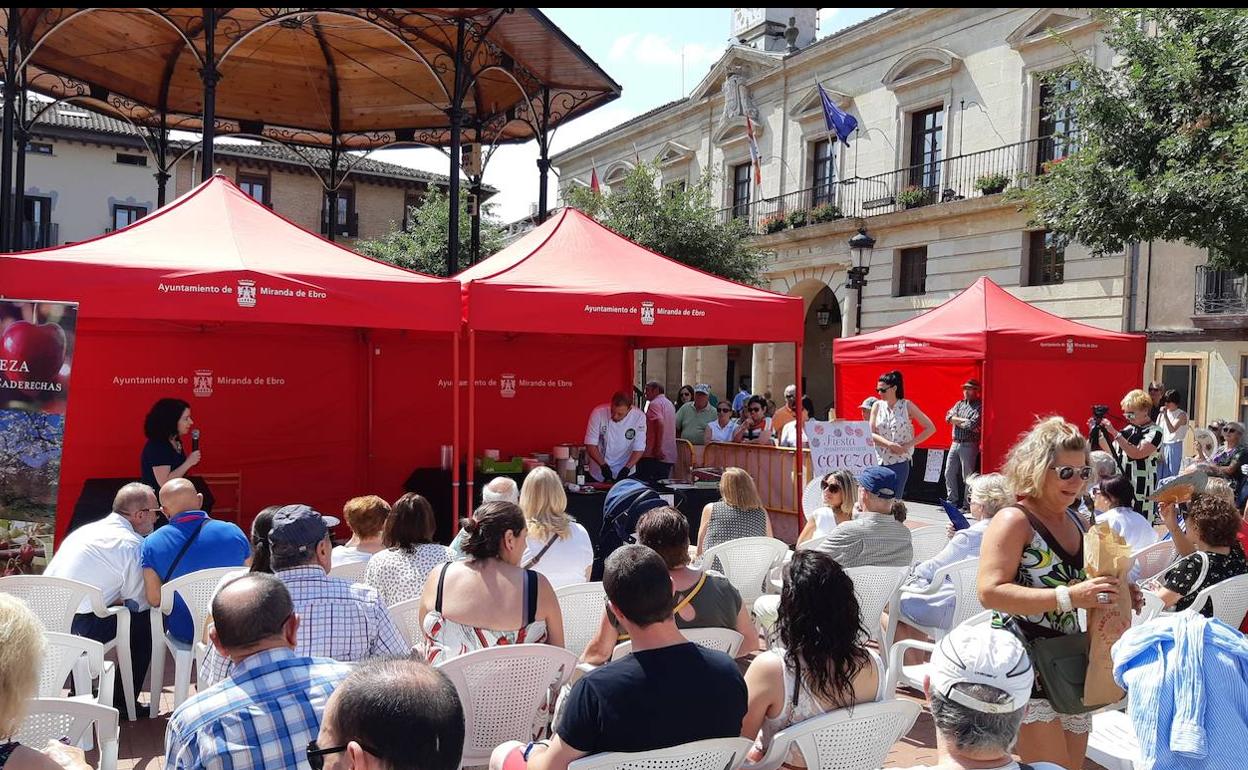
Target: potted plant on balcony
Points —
{"points": [[825, 212], [773, 223], [991, 184], [913, 197], [798, 218]]}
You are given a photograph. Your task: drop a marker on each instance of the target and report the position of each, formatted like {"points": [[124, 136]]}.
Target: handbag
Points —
{"points": [[1060, 660]]}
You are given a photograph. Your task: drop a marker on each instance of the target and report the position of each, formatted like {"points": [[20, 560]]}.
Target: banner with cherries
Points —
{"points": [[36, 354]]}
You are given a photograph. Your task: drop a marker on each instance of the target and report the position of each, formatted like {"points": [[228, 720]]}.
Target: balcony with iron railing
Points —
{"points": [[38, 235], [1221, 299], [986, 172]]}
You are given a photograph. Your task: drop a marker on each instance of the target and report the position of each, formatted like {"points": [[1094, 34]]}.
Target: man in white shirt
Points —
{"points": [[107, 554], [660, 455], [978, 689], [615, 438]]}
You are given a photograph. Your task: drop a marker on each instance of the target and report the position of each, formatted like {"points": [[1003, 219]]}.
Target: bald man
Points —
{"points": [[190, 542]]}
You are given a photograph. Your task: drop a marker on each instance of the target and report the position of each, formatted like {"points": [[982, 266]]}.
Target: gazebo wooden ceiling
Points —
{"points": [[357, 78]]}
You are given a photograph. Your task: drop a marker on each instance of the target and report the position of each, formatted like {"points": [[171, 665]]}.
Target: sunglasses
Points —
{"points": [[1230, 430], [883, 388], [830, 486], [1067, 472], [316, 755], [724, 411], [756, 409]]}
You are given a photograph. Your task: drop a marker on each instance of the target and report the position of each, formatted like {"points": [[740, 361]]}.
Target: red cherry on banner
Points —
{"points": [[32, 353]]}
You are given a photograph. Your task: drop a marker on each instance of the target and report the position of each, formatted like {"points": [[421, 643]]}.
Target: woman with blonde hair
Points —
{"points": [[22, 648], [840, 491], [558, 547], [1031, 571], [1136, 448], [739, 513]]}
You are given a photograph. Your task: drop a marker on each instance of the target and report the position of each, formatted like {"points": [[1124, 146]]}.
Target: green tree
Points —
{"points": [[683, 224], [1162, 137], [423, 245]]}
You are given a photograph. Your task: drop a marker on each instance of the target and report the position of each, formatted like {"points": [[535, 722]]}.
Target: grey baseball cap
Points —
{"points": [[299, 527]]}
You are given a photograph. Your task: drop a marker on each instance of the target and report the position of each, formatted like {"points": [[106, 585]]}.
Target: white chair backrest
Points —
{"points": [[746, 562], [726, 640], [49, 719], [1153, 606], [927, 542], [965, 578], [874, 587], [1230, 600], [814, 542], [197, 590], [846, 739], [1152, 559], [582, 607], [812, 498], [353, 572], [501, 689], [53, 600], [982, 619], [713, 754], [406, 617], [63, 653]]}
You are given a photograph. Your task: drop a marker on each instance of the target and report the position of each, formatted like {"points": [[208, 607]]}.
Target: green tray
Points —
{"points": [[514, 465]]}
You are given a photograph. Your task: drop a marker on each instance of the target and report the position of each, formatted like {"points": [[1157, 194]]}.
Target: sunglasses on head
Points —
{"points": [[1067, 472]]}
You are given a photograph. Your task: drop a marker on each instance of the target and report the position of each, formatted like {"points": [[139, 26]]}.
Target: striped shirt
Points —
{"points": [[871, 540], [261, 718], [968, 410], [338, 620], [1142, 472]]}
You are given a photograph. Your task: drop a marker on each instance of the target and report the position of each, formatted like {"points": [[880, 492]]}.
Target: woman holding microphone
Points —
{"points": [[163, 458]]}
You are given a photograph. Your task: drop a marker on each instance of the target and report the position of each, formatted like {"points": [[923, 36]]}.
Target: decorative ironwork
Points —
{"points": [[1220, 292]]}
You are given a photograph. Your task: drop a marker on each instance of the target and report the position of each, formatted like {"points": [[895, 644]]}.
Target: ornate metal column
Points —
{"points": [[7, 220], [21, 134], [209, 75], [543, 159], [162, 159], [456, 115]]}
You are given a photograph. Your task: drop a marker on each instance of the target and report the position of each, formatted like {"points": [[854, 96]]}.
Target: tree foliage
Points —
{"points": [[423, 244], [681, 223], [1162, 137]]}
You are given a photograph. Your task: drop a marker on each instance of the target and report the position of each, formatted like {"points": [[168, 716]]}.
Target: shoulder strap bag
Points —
{"points": [[185, 547], [533, 562]]}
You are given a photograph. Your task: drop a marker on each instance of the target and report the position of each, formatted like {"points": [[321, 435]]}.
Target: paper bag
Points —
{"points": [[1105, 553]]}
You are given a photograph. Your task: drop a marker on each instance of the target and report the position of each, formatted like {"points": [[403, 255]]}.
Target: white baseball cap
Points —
{"points": [[982, 655]]}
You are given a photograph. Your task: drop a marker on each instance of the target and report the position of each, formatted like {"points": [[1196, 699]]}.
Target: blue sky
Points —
{"points": [[640, 49]]}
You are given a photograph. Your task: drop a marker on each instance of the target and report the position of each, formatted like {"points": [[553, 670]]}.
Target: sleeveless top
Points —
{"points": [[7, 749], [801, 704], [1042, 567], [446, 639], [895, 425], [723, 434], [729, 523]]}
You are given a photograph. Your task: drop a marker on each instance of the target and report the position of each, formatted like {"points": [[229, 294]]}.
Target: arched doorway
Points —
{"points": [[823, 325]]}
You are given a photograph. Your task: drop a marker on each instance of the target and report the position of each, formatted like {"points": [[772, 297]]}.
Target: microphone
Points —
{"points": [[195, 440]]}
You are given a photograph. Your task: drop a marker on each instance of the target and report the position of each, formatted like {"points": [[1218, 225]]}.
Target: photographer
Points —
{"points": [[1136, 449]]}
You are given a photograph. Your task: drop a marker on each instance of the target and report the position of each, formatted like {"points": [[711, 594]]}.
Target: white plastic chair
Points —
{"points": [[197, 590], [746, 562], [406, 617], [964, 576], [812, 498], [352, 573], [582, 607], [914, 675], [1152, 559], [55, 601], [846, 739], [1112, 743], [713, 754], [927, 542], [874, 587], [502, 689], [64, 653], [50, 719], [1230, 600], [726, 640]]}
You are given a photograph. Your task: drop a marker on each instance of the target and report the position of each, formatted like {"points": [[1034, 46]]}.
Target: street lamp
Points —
{"points": [[823, 316], [859, 246]]}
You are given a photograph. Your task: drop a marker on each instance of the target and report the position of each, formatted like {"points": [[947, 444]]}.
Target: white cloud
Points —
{"points": [[653, 50]]}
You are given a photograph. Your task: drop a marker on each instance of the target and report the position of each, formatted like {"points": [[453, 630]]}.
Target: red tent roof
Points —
{"points": [[986, 319], [571, 275], [216, 254]]}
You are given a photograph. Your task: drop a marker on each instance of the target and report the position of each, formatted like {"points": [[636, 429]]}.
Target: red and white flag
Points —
{"points": [[755, 156], [594, 187]]}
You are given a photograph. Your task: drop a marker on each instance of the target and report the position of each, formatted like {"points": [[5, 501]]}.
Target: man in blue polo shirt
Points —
{"points": [[189, 543]]}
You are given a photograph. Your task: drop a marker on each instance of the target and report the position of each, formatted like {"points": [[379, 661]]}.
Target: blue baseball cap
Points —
{"points": [[879, 481], [299, 527]]}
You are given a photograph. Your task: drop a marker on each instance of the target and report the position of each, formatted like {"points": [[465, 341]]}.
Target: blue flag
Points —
{"points": [[839, 121]]}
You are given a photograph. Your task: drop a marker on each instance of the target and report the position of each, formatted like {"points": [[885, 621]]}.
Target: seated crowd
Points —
{"points": [[307, 670]]}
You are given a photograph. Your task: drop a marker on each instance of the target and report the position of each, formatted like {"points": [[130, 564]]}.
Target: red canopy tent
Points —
{"points": [[1029, 363], [303, 361], [553, 321]]}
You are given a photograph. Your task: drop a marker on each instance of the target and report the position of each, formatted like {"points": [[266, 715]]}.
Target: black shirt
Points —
{"points": [[655, 699], [158, 453], [1184, 577]]}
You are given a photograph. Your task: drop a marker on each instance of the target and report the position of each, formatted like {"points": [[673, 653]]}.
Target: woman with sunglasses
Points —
{"points": [[684, 396], [840, 490], [724, 428], [1136, 449], [755, 426], [1031, 571], [1230, 456], [892, 427]]}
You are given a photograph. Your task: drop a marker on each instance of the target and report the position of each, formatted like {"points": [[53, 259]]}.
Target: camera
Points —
{"points": [[1099, 412]]}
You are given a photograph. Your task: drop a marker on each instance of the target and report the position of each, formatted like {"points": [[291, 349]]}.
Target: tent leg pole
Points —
{"points": [[455, 433], [799, 464], [472, 417]]}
